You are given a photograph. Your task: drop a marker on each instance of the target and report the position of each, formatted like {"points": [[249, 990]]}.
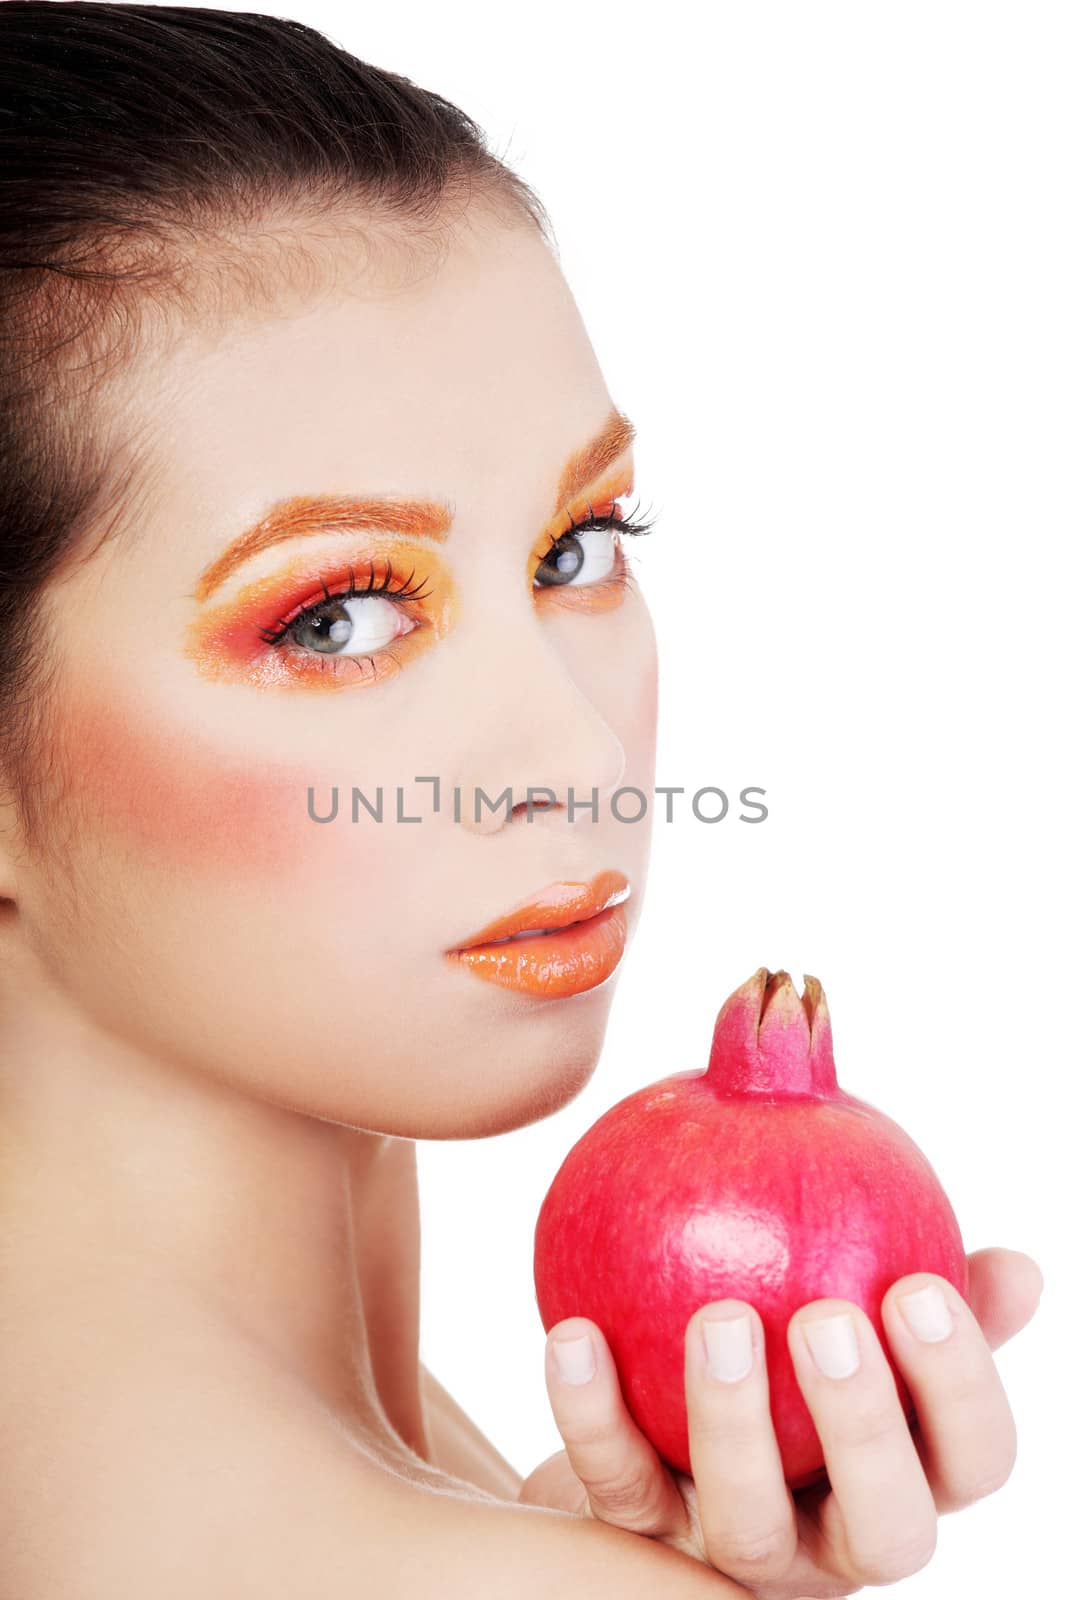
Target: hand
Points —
{"points": [[876, 1520]]}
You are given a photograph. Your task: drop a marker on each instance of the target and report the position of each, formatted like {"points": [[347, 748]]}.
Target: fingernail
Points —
{"points": [[728, 1347], [833, 1345], [575, 1360], [927, 1314]]}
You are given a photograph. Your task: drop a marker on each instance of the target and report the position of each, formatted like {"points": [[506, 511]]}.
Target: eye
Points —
{"points": [[352, 627], [355, 622], [304, 628], [586, 553], [576, 559]]}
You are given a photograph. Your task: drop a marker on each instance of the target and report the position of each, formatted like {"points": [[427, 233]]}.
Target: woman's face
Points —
{"points": [[189, 902]]}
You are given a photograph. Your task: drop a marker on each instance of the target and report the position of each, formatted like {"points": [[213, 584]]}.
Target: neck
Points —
{"points": [[304, 1234]]}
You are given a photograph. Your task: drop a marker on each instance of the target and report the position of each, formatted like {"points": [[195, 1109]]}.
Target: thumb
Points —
{"points": [[1003, 1290], [555, 1484]]}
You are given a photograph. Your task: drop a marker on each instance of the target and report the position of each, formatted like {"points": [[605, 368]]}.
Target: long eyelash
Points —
{"points": [[624, 577], [405, 592], [620, 523]]}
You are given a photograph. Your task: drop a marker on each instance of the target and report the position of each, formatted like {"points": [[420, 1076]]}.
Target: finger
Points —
{"points": [[747, 1517], [885, 1519], [968, 1438], [626, 1480], [554, 1484], [1003, 1290]]}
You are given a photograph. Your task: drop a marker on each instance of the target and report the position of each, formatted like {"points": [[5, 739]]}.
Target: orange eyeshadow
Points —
{"points": [[226, 643], [583, 597]]}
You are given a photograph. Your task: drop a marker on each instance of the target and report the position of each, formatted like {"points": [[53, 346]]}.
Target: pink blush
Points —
{"points": [[174, 795]]}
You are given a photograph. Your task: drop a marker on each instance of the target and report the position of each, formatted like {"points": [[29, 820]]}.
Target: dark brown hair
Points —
{"points": [[145, 150]]}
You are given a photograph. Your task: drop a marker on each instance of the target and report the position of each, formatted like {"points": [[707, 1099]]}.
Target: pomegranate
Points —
{"points": [[755, 1178]]}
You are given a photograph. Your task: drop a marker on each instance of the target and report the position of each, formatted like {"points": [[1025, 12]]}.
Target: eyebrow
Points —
{"points": [[301, 515]]}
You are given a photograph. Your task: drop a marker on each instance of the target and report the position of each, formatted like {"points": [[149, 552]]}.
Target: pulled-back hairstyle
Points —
{"points": [[147, 151]]}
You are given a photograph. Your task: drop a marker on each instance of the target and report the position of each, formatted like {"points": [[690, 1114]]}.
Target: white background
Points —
{"points": [[821, 252]]}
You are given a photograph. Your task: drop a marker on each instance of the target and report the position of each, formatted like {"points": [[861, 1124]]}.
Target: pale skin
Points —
{"points": [[222, 1030]]}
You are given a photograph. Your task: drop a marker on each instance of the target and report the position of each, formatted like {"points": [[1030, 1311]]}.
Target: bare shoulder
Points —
{"points": [[142, 1449], [190, 1470]]}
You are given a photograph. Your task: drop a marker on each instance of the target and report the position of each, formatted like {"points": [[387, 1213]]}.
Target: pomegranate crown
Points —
{"points": [[770, 1040]]}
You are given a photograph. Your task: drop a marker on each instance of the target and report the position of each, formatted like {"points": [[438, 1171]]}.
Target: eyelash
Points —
{"points": [[405, 592], [622, 577], [621, 524]]}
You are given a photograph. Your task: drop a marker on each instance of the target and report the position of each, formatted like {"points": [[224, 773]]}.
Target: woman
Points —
{"points": [[312, 496]]}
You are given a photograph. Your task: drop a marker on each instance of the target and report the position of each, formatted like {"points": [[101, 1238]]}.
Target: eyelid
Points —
{"points": [[409, 587], [227, 639], [602, 499], [300, 578]]}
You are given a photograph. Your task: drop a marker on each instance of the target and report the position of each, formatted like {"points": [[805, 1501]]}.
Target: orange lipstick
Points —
{"points": [[567, 939]]}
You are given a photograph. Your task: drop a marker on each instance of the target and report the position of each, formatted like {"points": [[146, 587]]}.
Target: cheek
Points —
{"points": [[171, 797], [643, 702], [648, 704]]}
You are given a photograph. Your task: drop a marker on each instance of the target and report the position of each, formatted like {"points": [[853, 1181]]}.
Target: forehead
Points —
{"points": [[472, 376]]}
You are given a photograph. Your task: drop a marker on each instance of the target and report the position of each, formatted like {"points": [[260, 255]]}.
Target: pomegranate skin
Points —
{"points": [[756, 1179]]}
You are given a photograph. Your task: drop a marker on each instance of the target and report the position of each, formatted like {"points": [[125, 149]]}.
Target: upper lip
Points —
{"points": [[556, 906]]}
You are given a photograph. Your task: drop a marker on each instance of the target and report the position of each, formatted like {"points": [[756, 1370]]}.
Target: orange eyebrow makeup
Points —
{"points": [[307, 514], [586, 465], [230, 640]]}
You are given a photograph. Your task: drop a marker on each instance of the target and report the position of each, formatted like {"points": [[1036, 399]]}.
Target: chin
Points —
{"points": [[543, 1100], [542, 1075]]}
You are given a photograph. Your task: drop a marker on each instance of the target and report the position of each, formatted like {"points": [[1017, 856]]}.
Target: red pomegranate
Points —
{"points": [[755, 1179]]}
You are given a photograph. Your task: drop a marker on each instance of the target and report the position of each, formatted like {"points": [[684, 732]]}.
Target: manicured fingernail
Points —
{"points": [[575, 1360], [927, 1314], [833, 1345], [728, 1347]]}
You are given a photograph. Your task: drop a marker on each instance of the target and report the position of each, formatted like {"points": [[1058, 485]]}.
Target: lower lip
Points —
{"points": [[553, 965]]}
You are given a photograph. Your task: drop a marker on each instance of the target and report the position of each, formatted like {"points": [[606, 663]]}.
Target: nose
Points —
{"points": [[536, 739]]}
